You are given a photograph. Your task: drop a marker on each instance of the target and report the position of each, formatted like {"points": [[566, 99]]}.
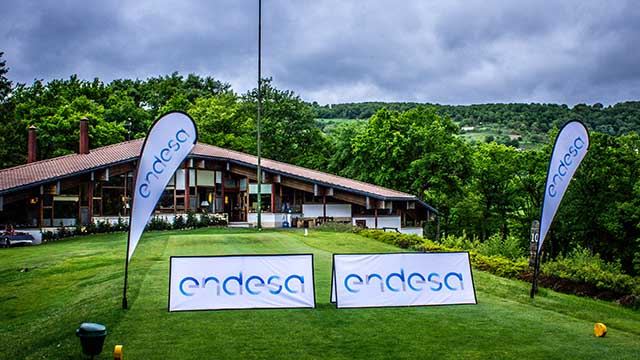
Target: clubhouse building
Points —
{"points": [[96, 185]]}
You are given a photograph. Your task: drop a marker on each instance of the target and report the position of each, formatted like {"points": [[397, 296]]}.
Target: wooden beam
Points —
{"points": [[243, 171], [297, 184], [90, 195], [121, 169], [324, 208], [375, 216], [186, 186], [350, 198], [273, 198]]}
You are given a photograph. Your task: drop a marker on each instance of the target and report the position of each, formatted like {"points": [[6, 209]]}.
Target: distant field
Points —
{"points": [[327, 125], [477, 135], [48, 290]]}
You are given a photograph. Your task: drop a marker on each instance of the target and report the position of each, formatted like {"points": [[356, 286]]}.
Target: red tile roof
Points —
{"points": [[39, 172]]}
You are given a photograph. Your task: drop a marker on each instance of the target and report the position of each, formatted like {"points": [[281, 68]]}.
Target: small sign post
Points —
{"points": [[534, 255]]}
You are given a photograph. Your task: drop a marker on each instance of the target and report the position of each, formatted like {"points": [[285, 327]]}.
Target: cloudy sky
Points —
{"points": [[447, 51]]}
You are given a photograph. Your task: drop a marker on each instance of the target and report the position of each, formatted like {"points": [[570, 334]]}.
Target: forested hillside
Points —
{"points": [[483, 190], [530, 122]]}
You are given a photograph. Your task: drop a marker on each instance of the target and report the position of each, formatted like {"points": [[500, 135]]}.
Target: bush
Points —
{"points": [[104, 226], [495, 264], [338, 227], [120, 225], [460, 243], [158, 223], [500, 265], [178, 222], [583, 267], [205, 220], [509, 248], [192, 221]]}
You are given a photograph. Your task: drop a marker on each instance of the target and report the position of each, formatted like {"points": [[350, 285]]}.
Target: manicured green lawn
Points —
{"points": [[78, 280]]}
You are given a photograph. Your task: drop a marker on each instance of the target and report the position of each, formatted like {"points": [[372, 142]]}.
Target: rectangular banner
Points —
{"points": [[402, 279], [241, 282]]}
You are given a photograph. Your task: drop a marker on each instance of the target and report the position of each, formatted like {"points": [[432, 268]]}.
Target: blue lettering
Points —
{"points": [[195, 286], [259, 284], [165, 151], [399, 276], [237, 279], [160, 162], [144, 190], [173, 145], [376, 276], [212, 278], [270, 282], [566, 161], [573, 151], [346, 282], [253, 285], [149, 174], [421, 281], [435, 282], [560, 167], [446, 281], [299, 278], [184, 137]]}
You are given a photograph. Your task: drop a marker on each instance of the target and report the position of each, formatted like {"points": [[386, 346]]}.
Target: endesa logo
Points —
{"points": [[566, 161], [399, 282], [239, 285], [161, 159]]}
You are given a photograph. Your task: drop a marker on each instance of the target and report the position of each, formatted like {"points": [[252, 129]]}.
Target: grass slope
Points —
{"points": [[81, 280]]}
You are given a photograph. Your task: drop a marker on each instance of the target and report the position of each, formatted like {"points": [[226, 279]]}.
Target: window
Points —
{"points": [[205, 178]]}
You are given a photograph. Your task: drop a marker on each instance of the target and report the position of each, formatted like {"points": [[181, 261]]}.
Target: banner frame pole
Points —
{"points": [[125, 304], [536, 271], [259, 168]]}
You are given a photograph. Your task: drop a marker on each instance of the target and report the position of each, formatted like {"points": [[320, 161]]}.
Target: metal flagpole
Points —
{"points": [[259, 174]]}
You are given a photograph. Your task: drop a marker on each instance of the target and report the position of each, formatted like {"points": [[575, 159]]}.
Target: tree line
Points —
{"points": [[481, 190], [619, 119]]}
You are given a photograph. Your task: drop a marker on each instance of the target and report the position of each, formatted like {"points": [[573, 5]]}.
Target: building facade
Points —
{"points": [[95, 185]]}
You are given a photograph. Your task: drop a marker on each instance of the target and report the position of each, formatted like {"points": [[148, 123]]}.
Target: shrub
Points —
{"points": [[499, 265], [104, 226], [120, 225], [218, 220], [460, 243], [338, 227], [510, 247], [192, 221], [495, 264], [158, 223], [178, 222], [205, 221], [583, 267]]}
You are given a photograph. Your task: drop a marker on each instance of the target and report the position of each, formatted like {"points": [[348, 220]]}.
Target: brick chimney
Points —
{"points": [[32, 141], [84, 135]]}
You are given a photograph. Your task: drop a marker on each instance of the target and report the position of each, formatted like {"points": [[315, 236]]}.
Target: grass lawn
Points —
{"points": [[79, 280]]}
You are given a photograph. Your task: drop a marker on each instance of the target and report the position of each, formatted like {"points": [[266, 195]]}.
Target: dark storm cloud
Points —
{"points": [[336, 51]]}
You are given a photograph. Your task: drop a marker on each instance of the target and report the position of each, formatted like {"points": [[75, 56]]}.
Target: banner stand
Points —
{"points": [[536, 271], [169, 141], [569, 149]]}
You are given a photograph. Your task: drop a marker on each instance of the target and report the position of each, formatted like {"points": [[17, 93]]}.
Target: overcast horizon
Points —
{"points": [[458, 52]]}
